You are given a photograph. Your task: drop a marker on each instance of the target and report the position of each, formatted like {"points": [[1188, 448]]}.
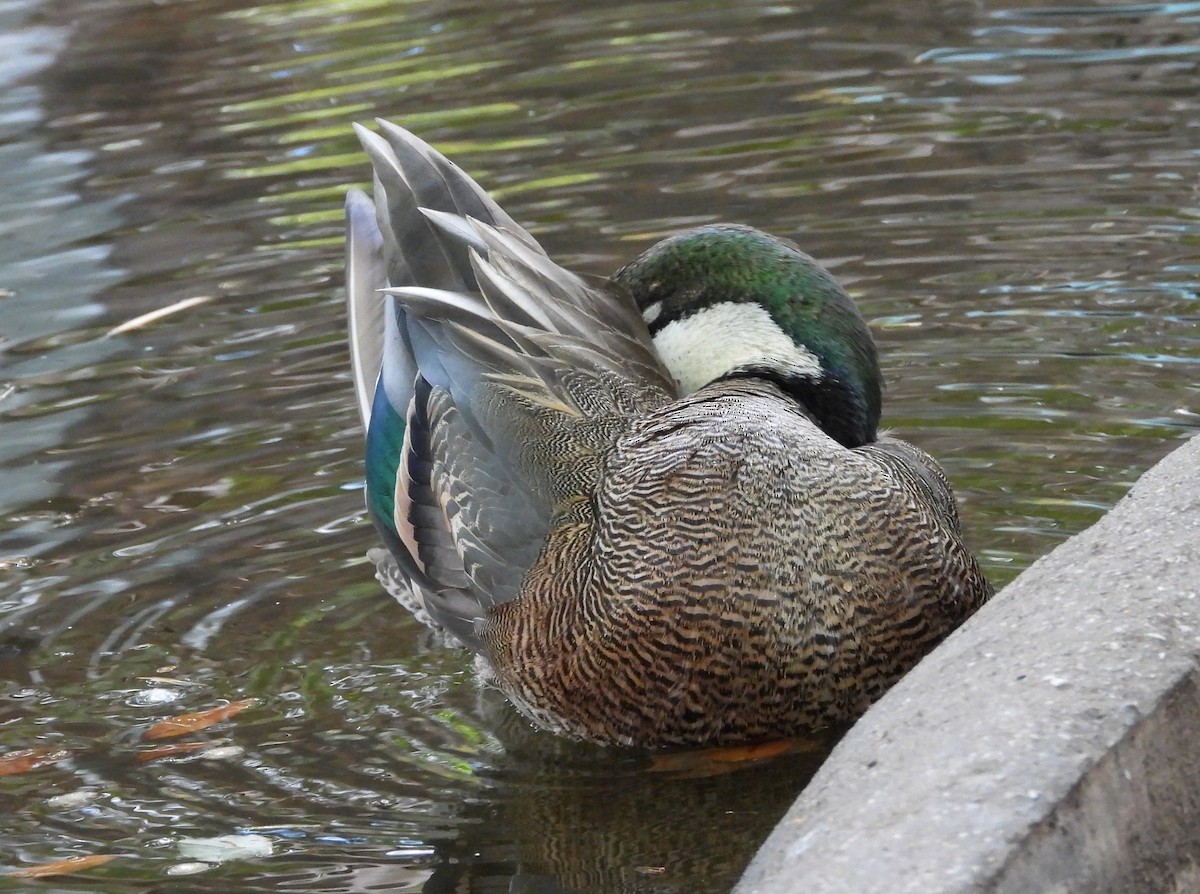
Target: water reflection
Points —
{"points": [[1010, 194], [49, 281]]}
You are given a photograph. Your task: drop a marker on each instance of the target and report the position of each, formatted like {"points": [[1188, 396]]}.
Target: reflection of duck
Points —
{"points": [[563, 817], [643, 831], [658, 508]]}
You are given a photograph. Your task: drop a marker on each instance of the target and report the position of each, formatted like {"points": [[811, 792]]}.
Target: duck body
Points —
{"points": [[658, 509]]}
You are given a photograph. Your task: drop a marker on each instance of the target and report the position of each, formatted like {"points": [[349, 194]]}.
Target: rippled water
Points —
{"points": [[1010, 191]]}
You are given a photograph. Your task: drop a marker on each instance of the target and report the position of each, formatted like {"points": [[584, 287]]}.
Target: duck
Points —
{"points": [[658, 508]]}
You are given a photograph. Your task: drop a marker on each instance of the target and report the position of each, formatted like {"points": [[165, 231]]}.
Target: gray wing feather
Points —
{"points": [[366, 274], [534, 395], [514, 376]]}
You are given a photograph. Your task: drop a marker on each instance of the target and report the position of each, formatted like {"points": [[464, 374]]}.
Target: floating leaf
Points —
{"points": [[71, 800], [63, 867], [192, 868], [30, 759], [183, 724], [225, 847], [221, 752], [154, 697]]}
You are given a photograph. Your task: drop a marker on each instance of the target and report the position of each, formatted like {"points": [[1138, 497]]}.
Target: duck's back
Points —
{"points": [[738, 575]]}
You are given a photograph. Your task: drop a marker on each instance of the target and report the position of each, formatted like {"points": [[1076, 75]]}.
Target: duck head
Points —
{"points": [[729, 301]]}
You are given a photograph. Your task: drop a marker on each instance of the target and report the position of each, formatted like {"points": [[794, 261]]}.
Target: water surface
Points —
{"points": [[1008, 189]]}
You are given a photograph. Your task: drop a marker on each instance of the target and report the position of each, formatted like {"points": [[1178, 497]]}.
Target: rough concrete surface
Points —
{"points": [[1052, 744]]}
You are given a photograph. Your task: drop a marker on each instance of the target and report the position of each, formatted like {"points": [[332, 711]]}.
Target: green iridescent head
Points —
{"points": [[715, 282]]}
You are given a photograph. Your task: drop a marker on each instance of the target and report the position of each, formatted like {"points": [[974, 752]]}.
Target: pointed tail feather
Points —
{"points": [[503, 380], [366, 275]]}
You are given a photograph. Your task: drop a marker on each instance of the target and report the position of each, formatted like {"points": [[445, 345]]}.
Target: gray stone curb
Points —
{"points": [[1052, 744]]}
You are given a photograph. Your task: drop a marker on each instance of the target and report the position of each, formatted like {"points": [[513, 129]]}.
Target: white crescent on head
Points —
{"points": [[723, 337]]}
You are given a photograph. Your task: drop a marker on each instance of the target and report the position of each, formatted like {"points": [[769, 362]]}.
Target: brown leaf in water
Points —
{"points": [[30, 759], [63, 867], [182, 724], [760, 752], [727, 758]]}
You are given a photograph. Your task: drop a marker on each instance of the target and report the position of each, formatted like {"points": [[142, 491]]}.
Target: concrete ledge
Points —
{"points": [[1052, 744]]}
